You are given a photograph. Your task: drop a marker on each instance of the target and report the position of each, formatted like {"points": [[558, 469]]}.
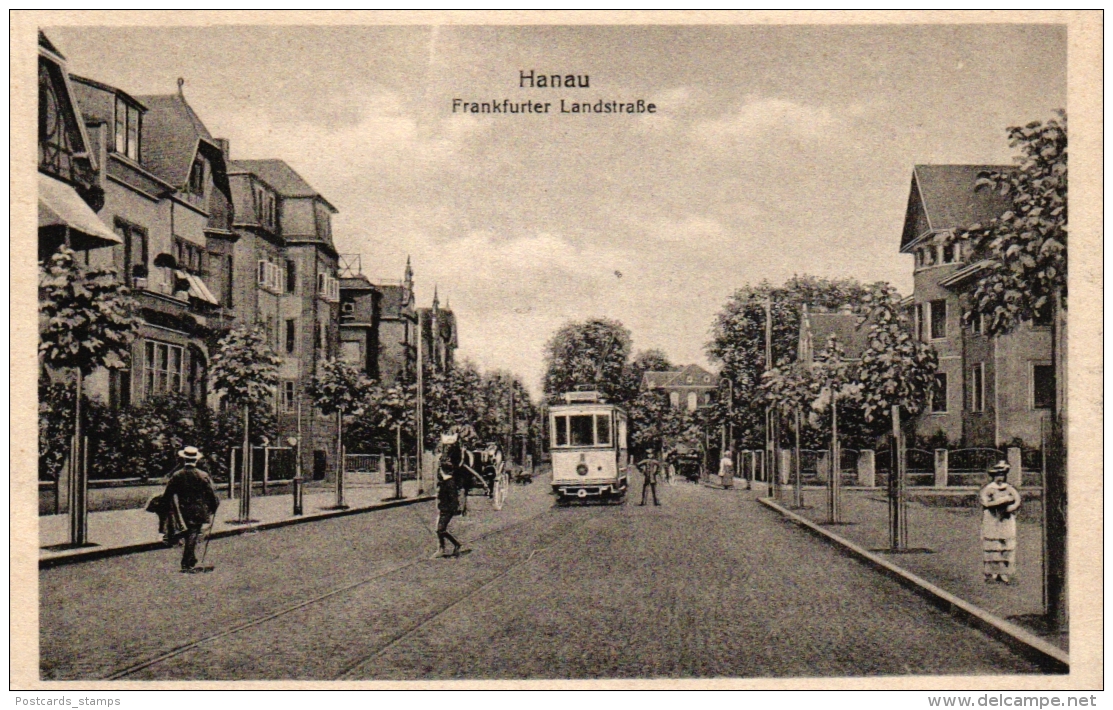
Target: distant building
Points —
{"points": [[378, 323], [438, 337], [691, 387], [284, 280], [989, 390]]}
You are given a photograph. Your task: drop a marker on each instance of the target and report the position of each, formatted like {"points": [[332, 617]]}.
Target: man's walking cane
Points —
{"points": [[205, 551]]}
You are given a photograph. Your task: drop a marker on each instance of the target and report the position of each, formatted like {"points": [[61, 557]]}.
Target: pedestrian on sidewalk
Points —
{"points": [[726, 468], [1000, 502], [448, 504], [650, 469], [189, 492]]}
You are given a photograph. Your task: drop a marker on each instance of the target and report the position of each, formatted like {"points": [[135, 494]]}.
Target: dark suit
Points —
{"points": [[650, 470], [190, 491], [448, 504]]}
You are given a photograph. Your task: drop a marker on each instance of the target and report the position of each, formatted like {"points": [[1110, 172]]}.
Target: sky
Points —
{"points": [[773, 151]]}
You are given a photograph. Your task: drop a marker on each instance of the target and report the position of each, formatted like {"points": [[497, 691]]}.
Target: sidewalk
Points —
{"points": [[123, 531], [953, 561]]}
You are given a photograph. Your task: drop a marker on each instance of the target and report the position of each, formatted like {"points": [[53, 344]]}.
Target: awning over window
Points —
{"points": [[61, 206], [197, 287]]}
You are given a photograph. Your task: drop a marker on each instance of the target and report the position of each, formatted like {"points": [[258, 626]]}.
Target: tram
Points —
{"points": [[589, 448]]}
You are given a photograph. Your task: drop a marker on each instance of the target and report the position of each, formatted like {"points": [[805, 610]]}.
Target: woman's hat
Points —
{"points": [[190, 453], [1000, 467]]}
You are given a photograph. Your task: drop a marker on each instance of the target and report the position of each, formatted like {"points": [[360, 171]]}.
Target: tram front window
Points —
{"points": [[583, 430], [603, 429], [560, 429]]}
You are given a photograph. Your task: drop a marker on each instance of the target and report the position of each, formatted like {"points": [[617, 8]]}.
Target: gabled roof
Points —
{"points": [[654, 379], [279, 175], [946, 197], [49, 46], [172, 135]]}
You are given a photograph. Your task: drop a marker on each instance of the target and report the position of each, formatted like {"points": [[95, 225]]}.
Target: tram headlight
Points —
{"points": [[582, 469]]}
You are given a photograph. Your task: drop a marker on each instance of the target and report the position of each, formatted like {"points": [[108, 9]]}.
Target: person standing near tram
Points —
{"points": [[726, 468]]}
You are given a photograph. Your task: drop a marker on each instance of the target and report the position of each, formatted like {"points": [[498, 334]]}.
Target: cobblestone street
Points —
{"points": [[709, 584]]}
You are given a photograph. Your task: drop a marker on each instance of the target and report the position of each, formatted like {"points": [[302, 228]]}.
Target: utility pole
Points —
{"points": [[771, 464], [419, 421], [833, 481], [798, 497], [510, 438]]}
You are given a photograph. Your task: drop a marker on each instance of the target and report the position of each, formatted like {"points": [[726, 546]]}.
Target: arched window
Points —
{"points": [[693, 401], [674, 399]]}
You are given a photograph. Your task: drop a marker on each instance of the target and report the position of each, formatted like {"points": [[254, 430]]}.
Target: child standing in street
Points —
{"points": [[1000, 501]]}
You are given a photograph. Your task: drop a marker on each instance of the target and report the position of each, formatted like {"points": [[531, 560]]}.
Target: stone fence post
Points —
{"points": [[823, 466], [940, 468], [866, 472], [786, 466], [1016, 467]]}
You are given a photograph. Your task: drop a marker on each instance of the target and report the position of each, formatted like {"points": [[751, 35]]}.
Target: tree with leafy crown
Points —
{"points": [[245, 370], [87, 321], [339, 388], [594, 352], [1023, 252]]}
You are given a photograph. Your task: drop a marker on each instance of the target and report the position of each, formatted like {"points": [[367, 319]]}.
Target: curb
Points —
{"points": [[104, 552], [1050, 658]]}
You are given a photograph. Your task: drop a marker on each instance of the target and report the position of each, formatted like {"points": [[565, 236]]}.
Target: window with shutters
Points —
{"points": [[270, 277]]}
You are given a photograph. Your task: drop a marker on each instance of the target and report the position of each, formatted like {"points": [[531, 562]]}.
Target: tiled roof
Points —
{"points": [[356, 282], [947, 196], [654, 379], [658, 378], [279, 175], [171, 131]]}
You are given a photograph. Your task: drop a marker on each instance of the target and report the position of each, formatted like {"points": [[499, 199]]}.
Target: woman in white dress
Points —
{"points": [[1000, 501]]}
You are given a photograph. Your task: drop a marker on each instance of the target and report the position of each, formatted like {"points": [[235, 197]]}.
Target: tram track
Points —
{"points": [[428, 619], [180, 650]]}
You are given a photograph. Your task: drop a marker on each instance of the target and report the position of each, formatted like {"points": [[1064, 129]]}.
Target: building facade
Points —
{"points": [[990, 390], [691, 387], [284, 280], [166, 196]]}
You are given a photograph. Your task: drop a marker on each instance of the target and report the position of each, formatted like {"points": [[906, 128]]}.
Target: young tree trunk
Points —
{"points": [[245, 468], [79, 482], [1055, 490], [339, 459], [398, 465]]}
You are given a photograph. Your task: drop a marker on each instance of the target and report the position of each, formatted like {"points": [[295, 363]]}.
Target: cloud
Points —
{"points": [[757, 117]]}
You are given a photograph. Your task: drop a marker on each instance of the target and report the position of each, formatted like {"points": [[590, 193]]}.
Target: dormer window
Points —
{"points": [[948, 253], [128, 129], [197, 177]]}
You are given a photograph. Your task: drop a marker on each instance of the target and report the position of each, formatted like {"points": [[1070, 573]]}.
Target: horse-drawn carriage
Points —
{"points": [[688, 463], [482, 471]]}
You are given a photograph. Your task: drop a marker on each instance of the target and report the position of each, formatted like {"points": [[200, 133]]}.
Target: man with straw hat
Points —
{"points": [[190, 492], [1000, 501]]}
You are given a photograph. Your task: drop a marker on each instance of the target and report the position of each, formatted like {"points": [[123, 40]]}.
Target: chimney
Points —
{"points": [[222, 143]]}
